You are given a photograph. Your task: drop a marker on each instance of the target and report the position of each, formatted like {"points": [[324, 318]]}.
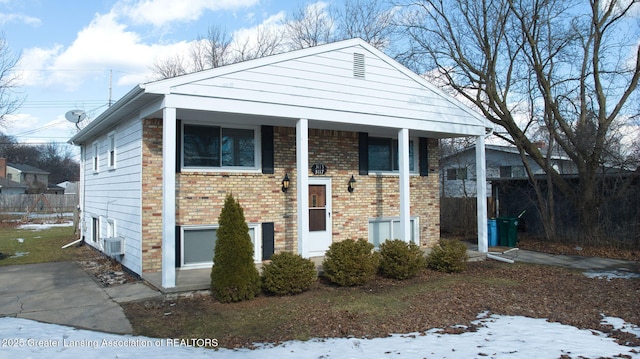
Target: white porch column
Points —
{"points": [[169, 198], [405, 198], [302, 183], [481, 194]]}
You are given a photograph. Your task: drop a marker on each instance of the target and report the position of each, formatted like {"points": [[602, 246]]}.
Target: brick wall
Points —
{"points": [[151, 195], [200, 195]]}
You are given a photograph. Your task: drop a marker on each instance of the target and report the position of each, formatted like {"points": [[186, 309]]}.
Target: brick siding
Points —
{"points": [[200, 195]]}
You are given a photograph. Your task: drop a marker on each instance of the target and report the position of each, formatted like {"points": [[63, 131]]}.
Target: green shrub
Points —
{"points": [[350, 263], [234, 276], [288, 274], [449, 256], [401, 260]]}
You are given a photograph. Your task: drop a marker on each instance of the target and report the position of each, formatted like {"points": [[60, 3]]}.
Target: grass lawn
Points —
{"points": [[26, 246]]}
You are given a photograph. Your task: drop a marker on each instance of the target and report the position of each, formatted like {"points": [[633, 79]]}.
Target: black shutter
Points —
{"points": [[363, 153], [423, 153], [268, 240], [178, 146], [267, 150], [178, 247]]}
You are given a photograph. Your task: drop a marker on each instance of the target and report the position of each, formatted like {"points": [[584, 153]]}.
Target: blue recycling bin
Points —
{"points": [[492, 232]]}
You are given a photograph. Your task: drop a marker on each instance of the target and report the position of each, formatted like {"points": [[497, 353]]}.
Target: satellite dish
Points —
{"points": [[75, 116]]}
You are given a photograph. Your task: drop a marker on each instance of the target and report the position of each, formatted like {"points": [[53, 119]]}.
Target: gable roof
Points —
{"points": [[27, 168], [347, 83]]}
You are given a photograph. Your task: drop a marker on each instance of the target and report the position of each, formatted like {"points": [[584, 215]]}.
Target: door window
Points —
{"points": [[317, 208]]}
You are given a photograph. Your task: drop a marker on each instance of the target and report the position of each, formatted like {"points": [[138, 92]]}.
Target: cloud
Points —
{"points": [[28, 20], [102, 45], [162, 12]]}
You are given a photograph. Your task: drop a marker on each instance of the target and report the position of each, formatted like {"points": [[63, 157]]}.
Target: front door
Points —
{"points": [[319, 216]]}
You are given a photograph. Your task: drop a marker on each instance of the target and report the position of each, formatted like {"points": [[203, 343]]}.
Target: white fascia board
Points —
{"points": [[321, 114]]}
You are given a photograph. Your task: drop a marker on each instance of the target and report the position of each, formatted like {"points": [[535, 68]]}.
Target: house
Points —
{"points": [[10, 187], [35, 179], [457, 171], [69, 187], [323, 144], [7, 185]]}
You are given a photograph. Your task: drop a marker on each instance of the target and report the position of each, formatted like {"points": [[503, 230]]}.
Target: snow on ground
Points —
{"points": [[612, 274], [44, 226], [497, 337]]}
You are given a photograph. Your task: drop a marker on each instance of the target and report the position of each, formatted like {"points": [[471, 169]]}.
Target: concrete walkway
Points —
{"points": [[567, 261], [63, 293]]}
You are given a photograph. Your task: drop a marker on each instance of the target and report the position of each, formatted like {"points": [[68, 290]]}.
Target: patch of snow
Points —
{"points": [[19, 254], [20, 240], [44, 226], [612, 274], [497, 336], [621, 325]]}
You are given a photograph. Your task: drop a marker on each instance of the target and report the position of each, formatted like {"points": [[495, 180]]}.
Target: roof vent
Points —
{"points": [[358, 65]]}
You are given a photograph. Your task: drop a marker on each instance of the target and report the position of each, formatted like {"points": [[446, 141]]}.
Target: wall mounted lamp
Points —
{"points": [[352, 184], [285, 183]]}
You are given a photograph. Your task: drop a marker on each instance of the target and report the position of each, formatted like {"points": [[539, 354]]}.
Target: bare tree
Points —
{"points": [[267, 41], [9, 102], [212, 50], [371, 20], [170, 67], [569, 67], [309, 26]]}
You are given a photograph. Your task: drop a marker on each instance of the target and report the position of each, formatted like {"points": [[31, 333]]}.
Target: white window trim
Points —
{"points": [[257, 245], [111, 227], [415, 228], [233, 169], [111, 161], [416, 159], [95, 158]]}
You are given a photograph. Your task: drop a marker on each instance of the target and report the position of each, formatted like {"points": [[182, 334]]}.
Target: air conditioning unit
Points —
{"points": [[114, 246]]}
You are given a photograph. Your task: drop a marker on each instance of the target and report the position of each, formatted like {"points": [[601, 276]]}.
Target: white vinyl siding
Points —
{"points": [[324, 86], [116, 194]]}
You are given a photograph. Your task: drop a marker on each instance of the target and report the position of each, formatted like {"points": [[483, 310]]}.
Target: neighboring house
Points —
{"points": [[10, 187], [457, 171], [157, 165], [69, 187], [10, 178], [54, 189], [35, 179]]}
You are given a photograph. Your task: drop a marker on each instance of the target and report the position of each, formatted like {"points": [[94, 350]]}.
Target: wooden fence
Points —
{"points": [[45, 203]]}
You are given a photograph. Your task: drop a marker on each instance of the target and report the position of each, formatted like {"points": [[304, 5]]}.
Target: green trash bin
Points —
{"points": [[507, 231]]}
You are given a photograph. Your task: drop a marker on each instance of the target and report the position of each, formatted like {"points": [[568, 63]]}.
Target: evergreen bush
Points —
{"points": [[401, 260], [449, 256], [350, 263], [234, 276], [288, 274]]}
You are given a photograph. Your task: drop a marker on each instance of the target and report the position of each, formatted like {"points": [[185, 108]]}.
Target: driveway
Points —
{"points": [[63, 293]]}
